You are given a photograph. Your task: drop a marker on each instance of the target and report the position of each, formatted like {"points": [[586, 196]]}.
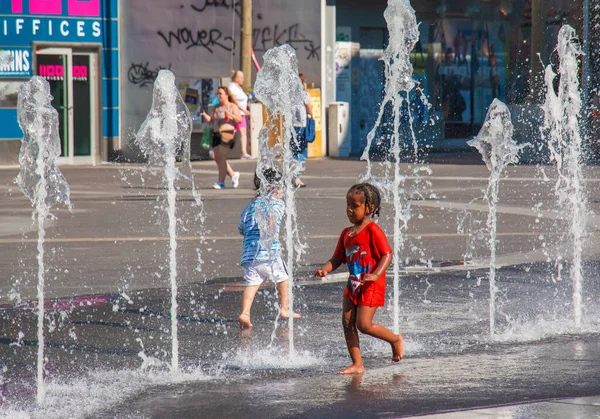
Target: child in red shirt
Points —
{"points": [[365, 249]]}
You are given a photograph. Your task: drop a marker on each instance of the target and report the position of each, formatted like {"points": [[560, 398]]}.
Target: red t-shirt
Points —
{"points": [[362, 253]]}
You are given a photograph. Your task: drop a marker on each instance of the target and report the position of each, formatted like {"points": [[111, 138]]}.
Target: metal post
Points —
{"points": [[586, 63], [246, 44], [538, 29]]}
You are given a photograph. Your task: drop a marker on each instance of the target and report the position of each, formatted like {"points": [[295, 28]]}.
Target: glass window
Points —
{"points": [[476, 51], [9, 93], [469, 64]]}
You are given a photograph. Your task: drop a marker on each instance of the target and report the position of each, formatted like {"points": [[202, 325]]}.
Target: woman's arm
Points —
{"points": [[206, 116], [234, 115], [309, 109]]}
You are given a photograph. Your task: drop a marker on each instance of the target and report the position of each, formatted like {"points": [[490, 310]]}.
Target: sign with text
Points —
{"points": [[25, 21], [55, 7], [57, 72], [19, 64]]}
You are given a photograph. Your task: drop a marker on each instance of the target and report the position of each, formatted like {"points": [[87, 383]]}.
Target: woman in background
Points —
{"points": [[223, 119], [300, 113], [235, 86]]}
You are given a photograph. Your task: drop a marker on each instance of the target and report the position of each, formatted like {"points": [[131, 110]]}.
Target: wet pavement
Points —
{"points": [[580, 407], [108, 325]]}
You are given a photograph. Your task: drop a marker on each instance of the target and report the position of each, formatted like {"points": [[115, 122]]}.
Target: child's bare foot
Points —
{"points": [[353, 369], [398, 349], [286, 315], [244, 321]]}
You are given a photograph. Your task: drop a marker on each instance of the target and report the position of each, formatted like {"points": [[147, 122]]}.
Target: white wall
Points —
{"points": [[194, 39]]}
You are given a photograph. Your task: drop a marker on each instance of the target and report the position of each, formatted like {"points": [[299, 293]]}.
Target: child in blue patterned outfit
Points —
{"points": [[258, 263]]}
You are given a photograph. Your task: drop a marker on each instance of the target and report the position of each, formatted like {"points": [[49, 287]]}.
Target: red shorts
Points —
{"points": [[370, 294]]}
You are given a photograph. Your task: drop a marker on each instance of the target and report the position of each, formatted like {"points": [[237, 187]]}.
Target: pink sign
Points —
{"points": [[54, 7], [17, 6], [84, 7], [45, 7], [57, 71], [80, 71], [51, 71]]}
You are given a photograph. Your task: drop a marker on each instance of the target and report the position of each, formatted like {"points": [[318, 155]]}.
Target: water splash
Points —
{"points": [[404, 34], [279, 88], [40, 180], [562, 132], [272, 358], [94, 392], [163, 136], [498, 150]]}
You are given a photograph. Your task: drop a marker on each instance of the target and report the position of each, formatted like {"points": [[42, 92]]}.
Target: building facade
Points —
{"points": [[74, 45], [199, 41], [469, 52], [102, 56]]}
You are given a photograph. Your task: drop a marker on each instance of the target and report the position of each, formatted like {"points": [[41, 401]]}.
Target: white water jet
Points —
{"points": [[562, 132], [40, 180], [498, 150], [164, 134], [279, 88], [404, 34]]}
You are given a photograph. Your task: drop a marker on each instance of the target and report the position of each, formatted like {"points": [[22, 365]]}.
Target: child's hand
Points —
{"points": [[370, 278], [320, 273]]}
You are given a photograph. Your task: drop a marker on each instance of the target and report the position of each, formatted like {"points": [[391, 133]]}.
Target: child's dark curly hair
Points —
{"points": [[371, 196], [271, 175]]}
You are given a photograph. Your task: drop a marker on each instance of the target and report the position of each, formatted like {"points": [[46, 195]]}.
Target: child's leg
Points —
{"points": [[351, 335], [247, 299], [364, 322], [278, 273], [284, 301]]}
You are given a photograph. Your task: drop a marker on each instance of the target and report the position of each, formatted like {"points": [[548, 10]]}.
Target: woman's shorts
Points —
{"points": [[217, 140], [241, 124], [258, 271]]}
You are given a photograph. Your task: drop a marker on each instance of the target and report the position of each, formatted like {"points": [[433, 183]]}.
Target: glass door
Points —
{"points": [[54, 64], [82, 100], [72, 76]]}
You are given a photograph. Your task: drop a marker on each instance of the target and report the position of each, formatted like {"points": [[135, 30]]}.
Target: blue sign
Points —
{"points": [[74, 21], [19, 64], [15, 31]]}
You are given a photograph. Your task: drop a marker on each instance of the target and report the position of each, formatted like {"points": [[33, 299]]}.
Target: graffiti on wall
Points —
{"points": [[264, 35], [268, 36], [55, 7], [199, 41], [141, 74], [202, 5], [208, 39]]}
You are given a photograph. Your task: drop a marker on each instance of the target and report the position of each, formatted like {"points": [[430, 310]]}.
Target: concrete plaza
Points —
{"points": [[107, 269]]}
